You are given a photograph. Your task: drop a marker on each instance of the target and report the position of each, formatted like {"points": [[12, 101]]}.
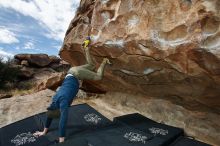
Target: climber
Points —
{"points": [[68, 90]]}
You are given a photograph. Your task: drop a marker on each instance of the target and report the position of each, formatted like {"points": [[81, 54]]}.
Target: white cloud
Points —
{"points": [[17, 48], [54, 15], [5, 55], [57, 47], [29, 46], [7, 37]]}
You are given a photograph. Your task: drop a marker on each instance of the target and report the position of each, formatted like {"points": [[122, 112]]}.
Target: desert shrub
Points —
{"points": [[24, 85], [8, 73]]}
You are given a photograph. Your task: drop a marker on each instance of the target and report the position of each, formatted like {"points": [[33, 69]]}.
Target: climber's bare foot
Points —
{"points": [[106, 60]]}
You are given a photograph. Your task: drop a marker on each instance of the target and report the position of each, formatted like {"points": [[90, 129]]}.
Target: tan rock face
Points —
{"points": [[157, 47]]}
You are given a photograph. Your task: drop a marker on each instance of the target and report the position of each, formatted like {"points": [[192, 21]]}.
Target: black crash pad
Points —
{"points": [[81, 117], [115, 135], [73, 142], [138, 121], [184, 141], [20, 133]]}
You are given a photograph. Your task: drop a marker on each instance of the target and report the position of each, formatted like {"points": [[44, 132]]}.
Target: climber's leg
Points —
{"points": [[87, 66], [90, 64], [84, 73], [88, 56]]}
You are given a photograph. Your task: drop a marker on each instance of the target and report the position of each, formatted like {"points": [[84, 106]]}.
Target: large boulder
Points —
{"points": [[158, 48], [39, 60], [54, 59], [51, 82], [62, 66]]}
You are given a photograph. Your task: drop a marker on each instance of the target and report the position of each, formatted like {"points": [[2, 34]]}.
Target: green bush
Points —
{"points": [[8, 74]]}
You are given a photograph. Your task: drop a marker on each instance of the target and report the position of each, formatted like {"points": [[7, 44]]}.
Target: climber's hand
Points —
{"points": [[38, 133]]}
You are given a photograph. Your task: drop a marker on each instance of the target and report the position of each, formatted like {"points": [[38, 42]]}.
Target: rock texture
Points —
{"points": [[159, 48], [20, 107]]}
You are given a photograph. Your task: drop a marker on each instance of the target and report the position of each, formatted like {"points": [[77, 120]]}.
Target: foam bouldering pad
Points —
{"points": [[73, 142], [81, 117], [146, 125], [184, 141], [21, 133], [115, 135]]}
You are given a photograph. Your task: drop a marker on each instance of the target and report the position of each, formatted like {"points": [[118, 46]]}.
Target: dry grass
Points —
{"points": [[20, 88]]}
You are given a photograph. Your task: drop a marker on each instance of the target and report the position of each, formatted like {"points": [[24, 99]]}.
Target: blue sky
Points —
{"points": [[34, 26]]}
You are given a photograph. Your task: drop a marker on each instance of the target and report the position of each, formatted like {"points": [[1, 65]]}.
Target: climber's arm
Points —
{"points": [[41, 133], [63, 120], [46, 127]]}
